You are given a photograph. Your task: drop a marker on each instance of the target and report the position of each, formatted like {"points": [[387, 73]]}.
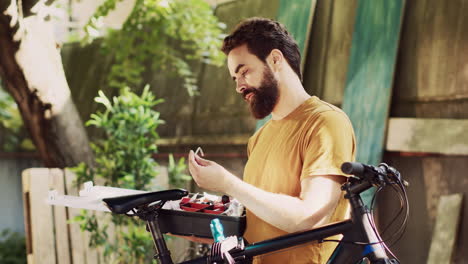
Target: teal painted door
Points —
{"points": [[370, 74]]}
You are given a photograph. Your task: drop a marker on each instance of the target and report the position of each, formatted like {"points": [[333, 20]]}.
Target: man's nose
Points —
{"points": [[240, 87]]}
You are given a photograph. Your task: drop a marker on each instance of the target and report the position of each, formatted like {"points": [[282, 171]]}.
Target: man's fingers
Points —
{"points": [[193, 166], [201, 161], [194, 159], [191, 156], [192, 163], [197, 160]]}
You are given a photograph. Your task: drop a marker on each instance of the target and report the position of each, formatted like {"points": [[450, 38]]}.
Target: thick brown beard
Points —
{"points": [[265, 97]]}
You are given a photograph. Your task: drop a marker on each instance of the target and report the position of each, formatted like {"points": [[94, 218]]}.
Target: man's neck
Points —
{"points": [[292, 95]]}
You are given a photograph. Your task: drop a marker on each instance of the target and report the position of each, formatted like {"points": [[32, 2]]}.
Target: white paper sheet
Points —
{"points": [[90, 197]]}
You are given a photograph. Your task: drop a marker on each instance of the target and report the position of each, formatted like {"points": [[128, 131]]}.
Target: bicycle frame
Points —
{"points": [[358, 228], [360, 237]]}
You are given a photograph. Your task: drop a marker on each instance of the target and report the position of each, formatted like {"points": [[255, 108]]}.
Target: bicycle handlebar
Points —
{"points": [[375, 175], [354, 168], [362, 170]]}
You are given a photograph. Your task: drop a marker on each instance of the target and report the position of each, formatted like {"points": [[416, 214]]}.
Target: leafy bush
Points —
{"points": [[12, 133], [12, 247], [176, 171], [124, 159], [168, 35]]}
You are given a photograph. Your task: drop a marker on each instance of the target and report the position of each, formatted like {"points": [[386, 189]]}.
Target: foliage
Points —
{"points": [[166, 34], [176, 171], [89, 222], [124, 159], [136, 244], [129, 123], [12, 247], [11, 123]]}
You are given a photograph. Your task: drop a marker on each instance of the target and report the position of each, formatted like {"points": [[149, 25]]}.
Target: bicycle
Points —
{"points": [[360, 240]]}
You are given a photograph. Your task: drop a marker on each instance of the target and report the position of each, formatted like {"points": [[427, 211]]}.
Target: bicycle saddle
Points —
{"points": [[123, 204]]}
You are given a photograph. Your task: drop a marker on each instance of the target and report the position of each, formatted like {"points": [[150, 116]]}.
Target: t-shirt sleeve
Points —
{"points": [[249, 146], [328, 143]]}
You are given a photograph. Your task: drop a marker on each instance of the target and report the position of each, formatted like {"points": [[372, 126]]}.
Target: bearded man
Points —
{"points": [[292, 179]]}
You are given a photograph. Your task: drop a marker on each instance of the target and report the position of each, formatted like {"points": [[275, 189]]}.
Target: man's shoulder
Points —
{"points": [[319, 109]]}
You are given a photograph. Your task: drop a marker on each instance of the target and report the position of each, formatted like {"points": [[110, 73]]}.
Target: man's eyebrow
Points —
{"points": [[238, 67], [237, 70]]}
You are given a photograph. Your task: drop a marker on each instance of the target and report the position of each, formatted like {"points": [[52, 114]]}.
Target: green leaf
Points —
{"points": [[102, 99]]}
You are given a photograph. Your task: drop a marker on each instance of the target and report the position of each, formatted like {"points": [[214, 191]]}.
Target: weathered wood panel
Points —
{"points": [[329, 49], [431, 82], [432, 72], [50, 238], [414, 245], [429, 178], [62, 231], [40, 221], [78, 241], [86, 69], [370, 74], [434, 62], [454, 109], [446, 229], [27, 217], [444, 136], [297, 16]]}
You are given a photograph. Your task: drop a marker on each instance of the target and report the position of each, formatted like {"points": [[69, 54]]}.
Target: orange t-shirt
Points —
{"points": [[314, 139]]}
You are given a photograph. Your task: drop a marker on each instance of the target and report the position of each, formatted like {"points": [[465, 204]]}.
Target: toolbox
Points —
{"points": [[188, 223]]}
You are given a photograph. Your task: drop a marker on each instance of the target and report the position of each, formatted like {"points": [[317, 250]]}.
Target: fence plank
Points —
{"points": [[57, 182], [26, 185], [445, 231], [297, 16], [77, 238], [41, 226], [337, 50], [92, 254], [445, 136]]}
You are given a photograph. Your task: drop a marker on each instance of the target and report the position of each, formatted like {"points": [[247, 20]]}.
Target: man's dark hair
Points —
{"points": [[262, 35]]}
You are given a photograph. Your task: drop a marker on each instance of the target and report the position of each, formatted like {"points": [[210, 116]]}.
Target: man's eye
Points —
{"points": [[244, 73]]}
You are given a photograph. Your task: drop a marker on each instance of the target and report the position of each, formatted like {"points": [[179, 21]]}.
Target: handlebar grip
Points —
{"points": [[354, 168]]}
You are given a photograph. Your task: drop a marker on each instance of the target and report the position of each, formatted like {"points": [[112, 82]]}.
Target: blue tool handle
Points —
{"points": [[217, 230]]}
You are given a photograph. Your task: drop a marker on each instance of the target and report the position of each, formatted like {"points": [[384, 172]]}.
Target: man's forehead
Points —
{"points": [[239, 56]]}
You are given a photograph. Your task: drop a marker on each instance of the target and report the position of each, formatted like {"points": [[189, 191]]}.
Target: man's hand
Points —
{"points": [[319, 196], [208, 174]]}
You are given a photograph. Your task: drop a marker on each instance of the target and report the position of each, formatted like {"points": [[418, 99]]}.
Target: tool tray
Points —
{"points": [[198, 224]]}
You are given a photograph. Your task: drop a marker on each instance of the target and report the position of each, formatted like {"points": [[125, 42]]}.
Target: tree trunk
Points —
{"points": [[32, 72]]}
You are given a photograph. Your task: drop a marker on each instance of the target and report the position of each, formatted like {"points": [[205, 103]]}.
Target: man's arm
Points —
{"points": [[318, 199]]}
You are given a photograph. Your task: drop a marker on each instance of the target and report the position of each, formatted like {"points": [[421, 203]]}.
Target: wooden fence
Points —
{"points": [[50, 237]]}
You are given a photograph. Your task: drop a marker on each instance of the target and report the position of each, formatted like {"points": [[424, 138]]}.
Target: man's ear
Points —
{"points": [[275, 59]]}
